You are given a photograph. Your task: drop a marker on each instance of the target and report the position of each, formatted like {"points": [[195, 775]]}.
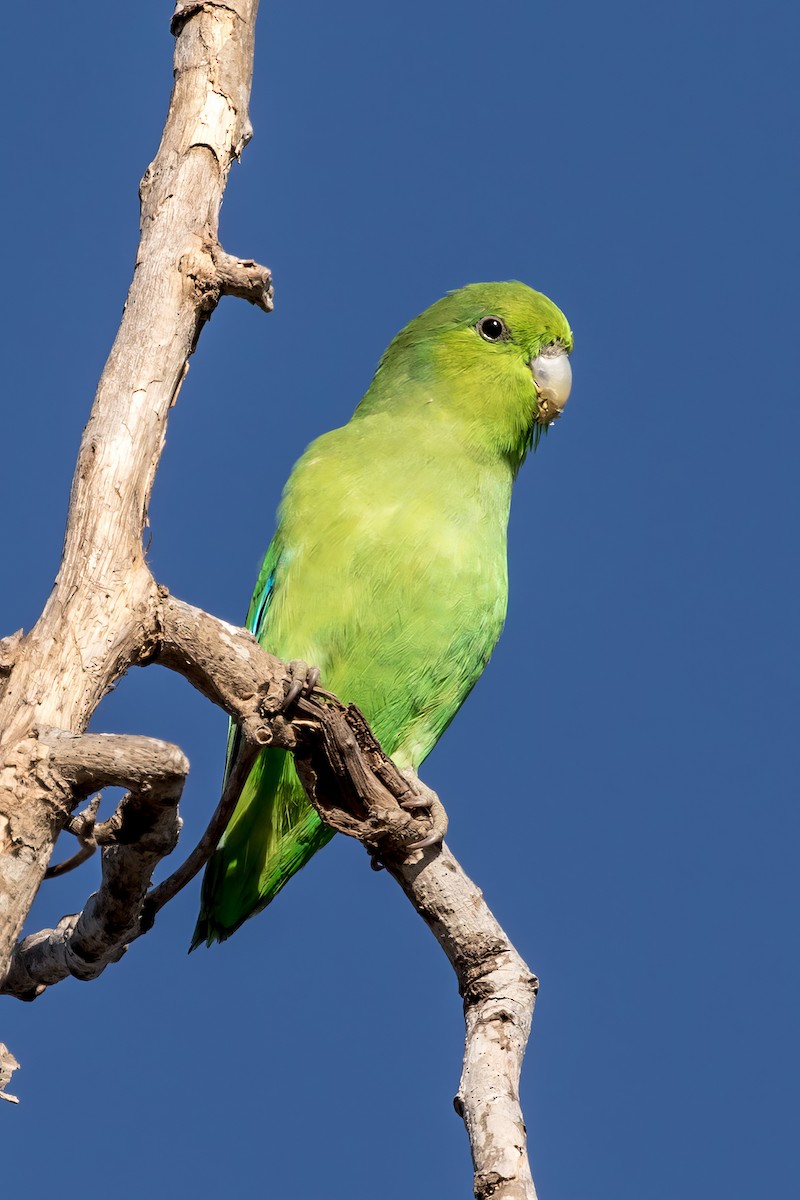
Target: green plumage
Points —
{"points": [[388, 567]]}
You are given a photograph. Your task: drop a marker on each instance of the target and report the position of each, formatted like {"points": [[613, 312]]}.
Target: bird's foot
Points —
{"points": [[414, 800], [304, 681], [433, 839], [423, 797]]}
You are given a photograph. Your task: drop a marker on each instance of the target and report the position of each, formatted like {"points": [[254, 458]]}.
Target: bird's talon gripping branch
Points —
{"points": [[433, 839], [414, 803], [304, 681], [313, 679], [292, 695]]}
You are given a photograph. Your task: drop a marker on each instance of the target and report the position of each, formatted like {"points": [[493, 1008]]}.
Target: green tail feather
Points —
{"points": [[273, 832]]}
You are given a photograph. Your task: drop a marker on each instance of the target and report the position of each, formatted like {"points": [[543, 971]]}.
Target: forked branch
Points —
{"points": [[106, 614], [136, 837]]}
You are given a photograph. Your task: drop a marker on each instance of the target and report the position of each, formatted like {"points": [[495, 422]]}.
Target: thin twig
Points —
{"points": [[169, 887], [82, 827]]}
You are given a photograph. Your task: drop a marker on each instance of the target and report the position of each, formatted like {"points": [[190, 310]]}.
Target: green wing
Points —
{"points": [[255, 621], [274, 831]]}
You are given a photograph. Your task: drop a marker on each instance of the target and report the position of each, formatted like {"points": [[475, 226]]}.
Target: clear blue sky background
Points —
{"points": [[634, 823]]}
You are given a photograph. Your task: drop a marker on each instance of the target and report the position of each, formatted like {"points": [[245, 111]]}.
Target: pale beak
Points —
{"points": [[552, 378]]}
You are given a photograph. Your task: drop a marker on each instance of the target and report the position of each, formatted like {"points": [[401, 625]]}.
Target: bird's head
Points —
{"points": [[493, 357]]}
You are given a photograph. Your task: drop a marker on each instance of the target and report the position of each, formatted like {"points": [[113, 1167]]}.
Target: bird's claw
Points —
{"points": [[415, 802], [433, 839], [423, 797], [304, 680]]}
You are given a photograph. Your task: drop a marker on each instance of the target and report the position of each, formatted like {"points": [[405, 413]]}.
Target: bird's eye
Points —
{"points": [[492, 329]]}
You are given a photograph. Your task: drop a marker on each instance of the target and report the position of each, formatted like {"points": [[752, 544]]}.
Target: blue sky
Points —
{"points": [[634, 823]]}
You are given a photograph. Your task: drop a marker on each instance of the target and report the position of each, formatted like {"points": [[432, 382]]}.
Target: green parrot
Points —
{"points": [[388, 568]]}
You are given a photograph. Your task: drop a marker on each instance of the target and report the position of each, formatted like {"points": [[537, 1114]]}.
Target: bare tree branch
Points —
{"points": [[82, 826], [106, 613], [243, 278], [499, 993], [8, 1065], [166, 891], [144, 828], [101, 614]]}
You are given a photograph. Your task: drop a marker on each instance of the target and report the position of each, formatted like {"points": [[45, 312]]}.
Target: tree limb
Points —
{"points": [[8, 1065], [499, 993], [143, 829], [106, 613], [101, 614]]}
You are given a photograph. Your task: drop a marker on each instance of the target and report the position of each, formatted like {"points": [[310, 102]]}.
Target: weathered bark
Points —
{"points": [[8, 1065], [106, 613], [499, 992], [141, 832], [100, 617]]}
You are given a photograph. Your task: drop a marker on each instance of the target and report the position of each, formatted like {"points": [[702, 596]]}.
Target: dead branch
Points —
{"points": [[82, 826], [136, 837], [106, 613], [101, 615], [166, 891], [499, 993], [8, 1065]]}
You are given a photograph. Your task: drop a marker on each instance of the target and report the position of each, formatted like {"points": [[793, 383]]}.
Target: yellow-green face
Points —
{"points": [[492, 355]]}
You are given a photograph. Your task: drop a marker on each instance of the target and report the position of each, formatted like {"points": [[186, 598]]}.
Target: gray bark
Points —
{"points": [[100, 617], [106, 613]]}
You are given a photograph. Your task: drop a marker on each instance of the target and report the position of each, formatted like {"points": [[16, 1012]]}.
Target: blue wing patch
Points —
{"points": [[254, 624]]}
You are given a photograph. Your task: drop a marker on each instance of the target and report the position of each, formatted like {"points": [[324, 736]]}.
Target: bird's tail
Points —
{"points": [[273, 832]]}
